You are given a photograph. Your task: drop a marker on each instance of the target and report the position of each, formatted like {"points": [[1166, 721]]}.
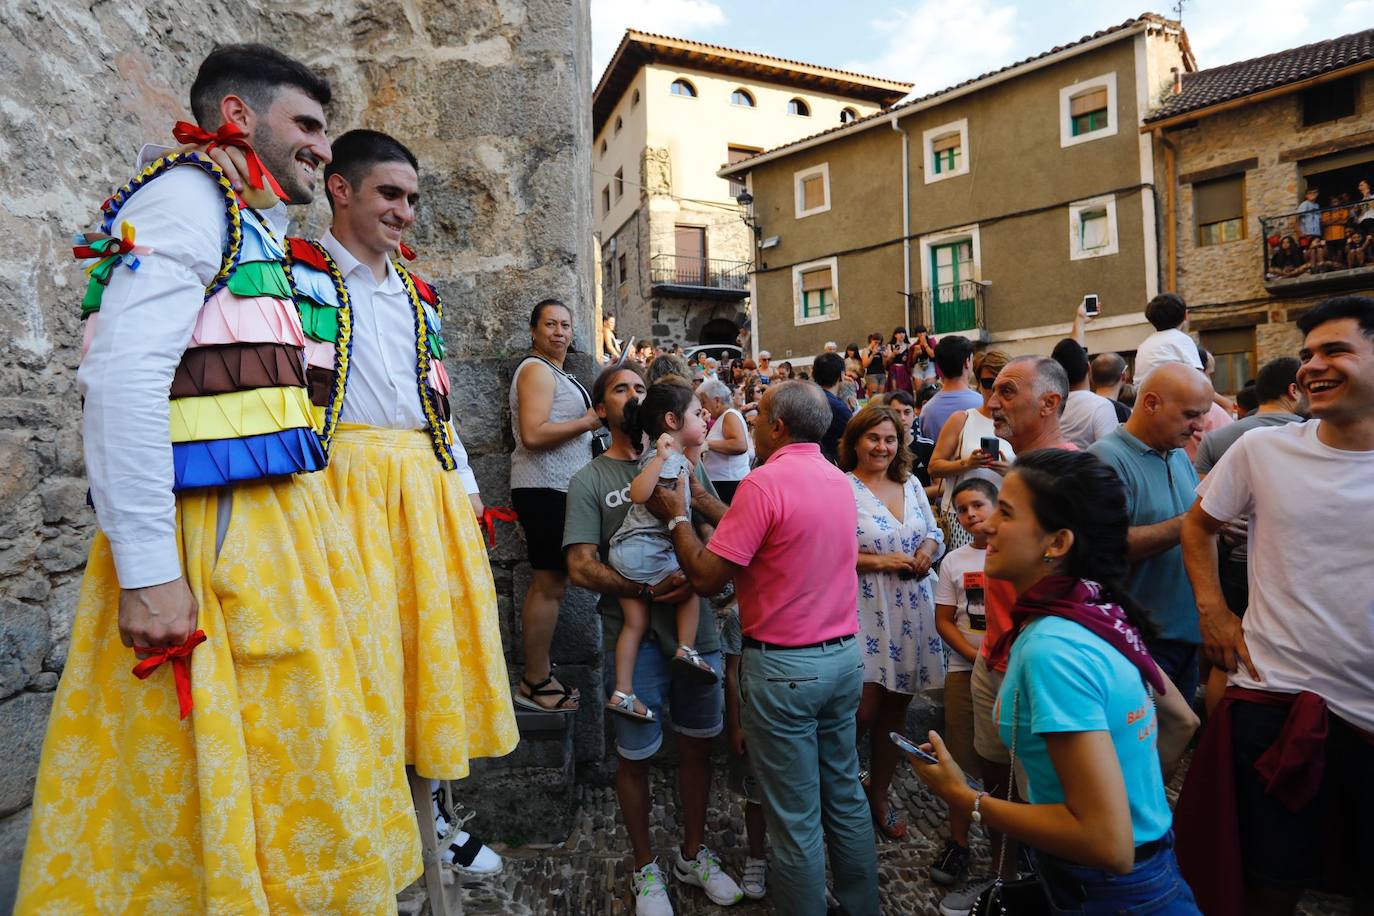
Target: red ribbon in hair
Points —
{"points": [[493, 514], [180, 657], [229, 135], [407, 252]]}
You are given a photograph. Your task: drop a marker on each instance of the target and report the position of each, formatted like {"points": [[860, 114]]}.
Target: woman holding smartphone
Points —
{"points": [[1077, 708]]}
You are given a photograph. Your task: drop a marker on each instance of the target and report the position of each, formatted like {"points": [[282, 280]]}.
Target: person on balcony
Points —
{"points": [[1287, 259], [1359, 245], [1309, 216]]}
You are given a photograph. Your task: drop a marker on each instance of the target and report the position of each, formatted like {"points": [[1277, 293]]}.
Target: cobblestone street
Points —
{"points": [[589, 874]]}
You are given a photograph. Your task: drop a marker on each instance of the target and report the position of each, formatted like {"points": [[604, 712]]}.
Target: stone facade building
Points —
{"points": [[490, 94], [667, 113], [988, 209], [1238, 146]]}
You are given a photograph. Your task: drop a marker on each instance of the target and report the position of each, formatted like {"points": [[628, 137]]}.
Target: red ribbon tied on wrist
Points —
{"points": [[493, 514], [230, 135], [180, 657]]}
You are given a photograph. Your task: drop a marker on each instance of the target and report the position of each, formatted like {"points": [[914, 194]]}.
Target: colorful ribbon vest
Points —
{"points": [[326, 317], [240, 409]]}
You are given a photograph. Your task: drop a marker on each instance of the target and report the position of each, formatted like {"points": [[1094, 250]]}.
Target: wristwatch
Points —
{"points": [[675, 521]]}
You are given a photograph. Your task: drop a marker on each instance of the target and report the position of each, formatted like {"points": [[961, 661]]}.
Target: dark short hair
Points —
{"points": [[1274, 377], [901, 397], [648, 417], [951, 353], [1361, 308], [1070, 354], [1246, 399], [925, 393], [981, 485], [357, 152], [254, 73], [900, 467], [1107, 369], [603, 381], [538, 311], [827, 369], [1165, 311]]}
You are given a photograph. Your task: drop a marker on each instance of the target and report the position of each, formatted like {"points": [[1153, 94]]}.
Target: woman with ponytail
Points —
{"points": [[1077, 707]]}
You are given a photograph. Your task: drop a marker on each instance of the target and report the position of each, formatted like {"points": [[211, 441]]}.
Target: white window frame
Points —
{"points": [[1066, 137], [1106, 202], [797, 271], [799, 198], [928, 139]]}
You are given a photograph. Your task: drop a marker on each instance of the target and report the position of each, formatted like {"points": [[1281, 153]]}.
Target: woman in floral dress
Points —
{"points": [[898, 541]]}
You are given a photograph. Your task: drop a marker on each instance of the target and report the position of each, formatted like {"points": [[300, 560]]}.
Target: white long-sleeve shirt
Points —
{"points": [[145, 324], [382, 385]]}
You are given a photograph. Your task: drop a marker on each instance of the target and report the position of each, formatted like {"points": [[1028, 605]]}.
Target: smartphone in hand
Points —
{"points": [[902, 742], [992, 445], [1091, 305]]}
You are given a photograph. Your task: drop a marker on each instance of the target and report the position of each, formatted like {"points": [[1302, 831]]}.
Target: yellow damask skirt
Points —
{"points": [[284, 789], [422, 549]]}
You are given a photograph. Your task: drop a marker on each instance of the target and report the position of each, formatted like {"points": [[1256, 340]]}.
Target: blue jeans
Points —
{"points": [[697, 710], [797, 707], [1153, 887]]}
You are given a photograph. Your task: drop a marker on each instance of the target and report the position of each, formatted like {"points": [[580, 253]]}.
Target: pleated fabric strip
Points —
{"points": [[226, 368], [240, 413], [224, 461], [259, 278], [320, 383]]}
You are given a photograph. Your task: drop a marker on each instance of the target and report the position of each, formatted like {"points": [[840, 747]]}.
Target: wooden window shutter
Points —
{"points": [[814, 280], [1219, 200], [1090, 101], [945, 143], [813, 192]]}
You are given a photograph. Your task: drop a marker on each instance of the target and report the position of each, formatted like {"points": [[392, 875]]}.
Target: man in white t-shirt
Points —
{"points": [[1170, 343], [1087, 416], [1302, 660]]}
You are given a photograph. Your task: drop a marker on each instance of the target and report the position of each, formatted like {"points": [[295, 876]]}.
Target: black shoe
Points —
{"points": [[951, 865]]}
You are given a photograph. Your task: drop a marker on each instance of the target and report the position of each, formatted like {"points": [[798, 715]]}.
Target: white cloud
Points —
{"points": [[679, 18], [935, 45], [1227, 32]]}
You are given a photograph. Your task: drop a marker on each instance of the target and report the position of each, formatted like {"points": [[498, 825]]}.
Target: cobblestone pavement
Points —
{"points": [[589, 874]]}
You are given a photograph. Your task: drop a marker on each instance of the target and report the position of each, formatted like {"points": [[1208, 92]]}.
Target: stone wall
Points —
{"points": [[492, 96]]}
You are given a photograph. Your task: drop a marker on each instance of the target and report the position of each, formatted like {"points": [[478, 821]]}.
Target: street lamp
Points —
{"points": [[746, 200]]}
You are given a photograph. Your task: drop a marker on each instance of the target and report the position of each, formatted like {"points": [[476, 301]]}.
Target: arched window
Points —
{"points": [[742, 98], [619, 123], [683, 88], [848, 116], [799, 108]]}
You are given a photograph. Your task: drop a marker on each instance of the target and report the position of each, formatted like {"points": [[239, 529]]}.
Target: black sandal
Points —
{"points": [[542, 689]]}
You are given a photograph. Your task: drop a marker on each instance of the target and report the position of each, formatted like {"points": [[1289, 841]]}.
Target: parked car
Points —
{"points": [[718, 352]]}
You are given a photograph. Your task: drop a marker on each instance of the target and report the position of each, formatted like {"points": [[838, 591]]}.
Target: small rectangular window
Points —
{"points": [[1219, 210], [946, 152], [619, 183], [813, 192], [606, 200], [623, 268], [1089, 111], [1328, 101], [738, 154], [818, 292], [1093, 230]]}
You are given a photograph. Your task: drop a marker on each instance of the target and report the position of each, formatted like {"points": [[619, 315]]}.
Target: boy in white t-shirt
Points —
{"points": [[961, 620], [1170, 343]]}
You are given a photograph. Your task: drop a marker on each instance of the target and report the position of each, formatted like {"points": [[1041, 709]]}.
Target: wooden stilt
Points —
{"points": [[443, 901]]}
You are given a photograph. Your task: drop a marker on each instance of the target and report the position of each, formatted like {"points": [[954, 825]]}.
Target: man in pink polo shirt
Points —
{"points": [[788, 542]]}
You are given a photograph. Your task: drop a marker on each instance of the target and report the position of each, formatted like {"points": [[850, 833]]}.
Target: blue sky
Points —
{"points": [[936, 43]]}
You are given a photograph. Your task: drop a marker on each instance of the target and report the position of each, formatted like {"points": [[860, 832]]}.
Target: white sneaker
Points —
{"points": [[960, 903], [460, 849], [651, 891], [754, 881], [704, 872]]}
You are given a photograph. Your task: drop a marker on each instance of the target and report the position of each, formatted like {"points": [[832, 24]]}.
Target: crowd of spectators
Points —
{"points": [[1069, 551], [1339, 236]]}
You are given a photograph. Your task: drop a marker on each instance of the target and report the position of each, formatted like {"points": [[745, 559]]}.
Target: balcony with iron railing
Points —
{"points": [[705, 278], [1316, 250], [952, 307]]}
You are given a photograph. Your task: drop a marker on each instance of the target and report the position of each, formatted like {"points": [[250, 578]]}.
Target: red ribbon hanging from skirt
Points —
{"points": [[230, 135], [180, 657]]}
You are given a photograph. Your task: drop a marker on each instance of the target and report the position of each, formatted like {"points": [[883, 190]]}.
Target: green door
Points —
{"points": [[951, 266]]}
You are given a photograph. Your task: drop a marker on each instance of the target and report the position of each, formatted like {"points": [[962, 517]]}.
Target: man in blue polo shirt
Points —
{"points": [[1147, 454]]}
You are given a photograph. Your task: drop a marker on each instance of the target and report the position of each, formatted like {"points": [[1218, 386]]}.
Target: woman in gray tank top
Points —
{"points": [[552, 420]]}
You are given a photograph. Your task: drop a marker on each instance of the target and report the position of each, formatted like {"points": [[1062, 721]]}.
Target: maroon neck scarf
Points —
{"points": [[1082, 601]]}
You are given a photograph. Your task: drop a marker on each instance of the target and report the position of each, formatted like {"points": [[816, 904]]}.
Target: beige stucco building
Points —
{"points": [[1238, 147], [667, 114], [987, 209]]}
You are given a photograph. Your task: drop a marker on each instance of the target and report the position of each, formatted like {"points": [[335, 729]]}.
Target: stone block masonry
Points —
{"points": [[492, 97]]}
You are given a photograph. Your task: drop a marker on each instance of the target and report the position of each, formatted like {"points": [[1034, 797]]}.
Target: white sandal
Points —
{"points": [[695, 666], [624, 704]]}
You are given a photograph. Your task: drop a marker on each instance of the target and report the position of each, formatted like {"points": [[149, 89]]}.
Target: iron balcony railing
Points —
{"points": [[950, 307], [1327, 247], [702, 273]]}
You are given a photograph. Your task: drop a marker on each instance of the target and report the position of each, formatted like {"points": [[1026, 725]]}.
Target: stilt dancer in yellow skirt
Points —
{"points": [[249, 767], [400, 474]]}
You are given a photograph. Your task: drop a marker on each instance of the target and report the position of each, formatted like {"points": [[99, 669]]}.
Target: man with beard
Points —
{"points": [[400, 474], [255, 772]]}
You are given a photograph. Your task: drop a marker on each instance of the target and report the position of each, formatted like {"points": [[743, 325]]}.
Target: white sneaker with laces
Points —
{"points": [[651, 891], [960, 903], [704, 872], [460, 849], [754, 881]]}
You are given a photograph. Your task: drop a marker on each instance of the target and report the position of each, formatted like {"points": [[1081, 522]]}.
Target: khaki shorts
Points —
{"points": [[959, 720], [985, 684]]}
